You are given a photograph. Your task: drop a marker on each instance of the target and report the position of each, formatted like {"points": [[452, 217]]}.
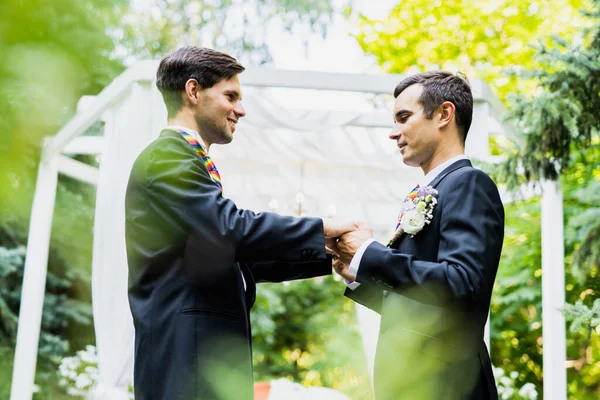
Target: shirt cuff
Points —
{"points": [[355, 263]]}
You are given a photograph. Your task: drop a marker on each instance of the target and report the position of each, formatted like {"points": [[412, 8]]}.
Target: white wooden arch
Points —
{"points": [[318, 148]]}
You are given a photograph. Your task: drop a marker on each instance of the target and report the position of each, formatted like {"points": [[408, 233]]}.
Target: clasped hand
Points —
{"points": [[342, 240]]}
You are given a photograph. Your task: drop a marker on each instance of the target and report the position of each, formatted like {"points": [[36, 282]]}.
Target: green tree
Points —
{"points": [[52, 54], [480, 39], [516, 324], [560, 141], [306, 331], [61, 310], [559, 120], [226, 25]]}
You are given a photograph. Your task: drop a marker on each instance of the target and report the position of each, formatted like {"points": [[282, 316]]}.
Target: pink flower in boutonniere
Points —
{"points": [[417, 211]]}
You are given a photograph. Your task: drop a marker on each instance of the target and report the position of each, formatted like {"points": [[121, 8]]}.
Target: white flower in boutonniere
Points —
{"points": [[417, 211], [412, 222]]}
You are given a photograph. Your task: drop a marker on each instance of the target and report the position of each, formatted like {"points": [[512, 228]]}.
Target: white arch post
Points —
{"points": [[34, 279], [553, 293]]}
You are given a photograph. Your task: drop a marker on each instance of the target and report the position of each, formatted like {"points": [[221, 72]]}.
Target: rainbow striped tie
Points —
{"points": [[210, 165]]}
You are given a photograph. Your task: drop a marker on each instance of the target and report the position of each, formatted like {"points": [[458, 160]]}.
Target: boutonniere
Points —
{"points": [[417, 211]]}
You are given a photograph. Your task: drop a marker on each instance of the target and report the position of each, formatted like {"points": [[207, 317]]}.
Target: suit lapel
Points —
{"points": [[451, 168]]}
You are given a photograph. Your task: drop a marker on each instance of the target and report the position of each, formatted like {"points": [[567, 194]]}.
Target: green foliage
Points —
{"points": [[60, 312], [580, 184], [237, 29], [481, 39], [583, 231], [516, 302], [560, 119], [53, 53], [516, 324], [584, 319], [306, 331]]}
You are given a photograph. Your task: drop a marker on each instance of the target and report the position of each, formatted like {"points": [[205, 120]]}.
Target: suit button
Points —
{"points": [[304, 254]]}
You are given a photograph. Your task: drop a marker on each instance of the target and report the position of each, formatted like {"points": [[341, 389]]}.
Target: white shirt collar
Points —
{"points": [[427, 179], [190, 132]]}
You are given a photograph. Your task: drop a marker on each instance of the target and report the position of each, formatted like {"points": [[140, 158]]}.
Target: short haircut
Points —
{"points": [[441, 86], [207, 66]]}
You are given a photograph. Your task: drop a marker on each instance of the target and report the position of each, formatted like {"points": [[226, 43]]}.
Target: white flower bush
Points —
{"points": [[507, 386], [79, 374]]}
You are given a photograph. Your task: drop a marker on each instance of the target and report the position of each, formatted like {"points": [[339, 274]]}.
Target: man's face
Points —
{"points": [[417, 136], [218, 110]]}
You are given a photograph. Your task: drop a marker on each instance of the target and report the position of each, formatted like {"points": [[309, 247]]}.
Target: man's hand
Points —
{"points": [[350, 242], [334, 228], [343, 270], [331, 246]]}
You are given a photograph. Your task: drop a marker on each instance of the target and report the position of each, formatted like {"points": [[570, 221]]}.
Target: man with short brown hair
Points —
{"points": [[193, 256]]}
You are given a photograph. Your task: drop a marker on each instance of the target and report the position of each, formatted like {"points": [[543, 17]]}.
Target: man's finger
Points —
{"points": [[331, 251], [362, 225]]}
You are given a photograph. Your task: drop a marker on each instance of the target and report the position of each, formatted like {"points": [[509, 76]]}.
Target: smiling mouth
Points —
{"points": [[232, 124]]}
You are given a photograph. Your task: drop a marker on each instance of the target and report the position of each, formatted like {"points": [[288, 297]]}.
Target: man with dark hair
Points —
{"points": [[440, 86], [433, 281], [194, 257]]}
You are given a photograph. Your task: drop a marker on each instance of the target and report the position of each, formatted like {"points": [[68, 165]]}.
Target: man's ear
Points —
{"points": [[446, 114], [192, 92]]}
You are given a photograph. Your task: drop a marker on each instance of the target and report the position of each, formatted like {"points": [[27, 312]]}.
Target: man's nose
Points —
{"points": [[239, 110], [394, 133]]}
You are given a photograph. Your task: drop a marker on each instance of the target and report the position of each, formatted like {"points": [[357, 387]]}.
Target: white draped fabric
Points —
{"points": [[126, 126]]}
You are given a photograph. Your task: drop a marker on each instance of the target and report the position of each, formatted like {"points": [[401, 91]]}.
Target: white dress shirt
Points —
{"points": [[201, 142], [424, 181]]}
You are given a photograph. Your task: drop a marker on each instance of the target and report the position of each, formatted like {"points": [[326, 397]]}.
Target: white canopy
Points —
{"points": [[313, 143]]}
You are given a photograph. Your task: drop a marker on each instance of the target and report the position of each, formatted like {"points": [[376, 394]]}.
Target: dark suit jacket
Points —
{"points": [[433, 292], [187, 249]]}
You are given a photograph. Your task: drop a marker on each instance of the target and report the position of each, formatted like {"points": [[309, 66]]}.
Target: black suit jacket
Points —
{"points": [[433, 292], [187, 249]]}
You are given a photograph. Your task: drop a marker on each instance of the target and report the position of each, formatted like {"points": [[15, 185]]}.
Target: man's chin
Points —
{"points": [[407, 160], [226, 137]]}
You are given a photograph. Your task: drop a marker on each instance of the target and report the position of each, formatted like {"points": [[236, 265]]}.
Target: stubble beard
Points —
{"points": [[214, 133]]}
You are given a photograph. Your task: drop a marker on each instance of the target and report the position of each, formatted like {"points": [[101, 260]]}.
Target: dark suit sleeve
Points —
{"points": [[370, 296], [179, 182], [471, 235], [281, 271]]}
